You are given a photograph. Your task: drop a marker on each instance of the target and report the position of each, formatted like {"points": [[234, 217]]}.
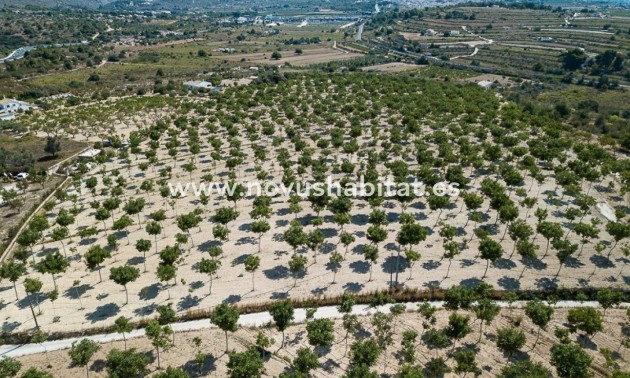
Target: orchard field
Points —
{"points": [[538, 209]]}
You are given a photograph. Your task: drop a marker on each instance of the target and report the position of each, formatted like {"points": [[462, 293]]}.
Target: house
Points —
{"points": [[485, 84], [198, 84], [454, 33], [9, 107], [430, 32], [89, 154]]}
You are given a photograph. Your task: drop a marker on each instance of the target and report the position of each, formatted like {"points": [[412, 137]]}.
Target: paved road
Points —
{"points": [[17, 54], [249, 320]]}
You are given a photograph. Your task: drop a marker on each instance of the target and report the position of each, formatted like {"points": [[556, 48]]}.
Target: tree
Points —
{"points": [[12, 271], [295, 235], [510, 340], [144, 245], [36, 373], [436, 367], [410, 234], [346, 239], [364, 352], [122, 326], [82, 353], [485, 310], [408, 344], [570, 361], [247, 364], [59, 234], [160, 337], [282, 313], [53, 263], [260, 227], [53, 146], [573, 59], [305, 361], [226, 318], [550, 231], [458, 327], [94, 257], [540, 314], [320, 332], [458, 297], [252, 263], [135, 207], [524, 368], [335, 262], [126, 364], [466, 363], [276, 55], [619, 231], [172, 372], [33, 286], [608, 298], [585, 319], [490, 251], [297, 264], [9, 367], [154, 229], [209, 267], [314, 241], [370, 253], [124, 275]]}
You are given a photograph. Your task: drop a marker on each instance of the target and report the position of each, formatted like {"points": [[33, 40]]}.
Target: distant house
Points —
{"points": [[9, 107], [198, 84], [485, 84], [454, 33], [90, 154], [430, 32], [545, 39]]}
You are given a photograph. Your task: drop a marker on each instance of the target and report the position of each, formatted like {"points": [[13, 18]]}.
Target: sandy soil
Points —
{"points": [[334, 361], [310, 56], [97, 304]]}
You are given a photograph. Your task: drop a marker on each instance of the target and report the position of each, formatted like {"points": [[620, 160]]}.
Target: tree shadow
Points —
{"points": [[196, 285], [279, 295], [192, 368], [232, 299], [278, 272], [431, 265], [240, 259], [145, 310], [353, 287], [361, 267], [247, 240], [601, 262], [319, 291], [149, 292], [360, 219], [10, 326], [509, 283], [504, 264], [205, 246], [103, 312], [470, 283], [188, 302], [546, 283], [77, 291], [136, 260]]}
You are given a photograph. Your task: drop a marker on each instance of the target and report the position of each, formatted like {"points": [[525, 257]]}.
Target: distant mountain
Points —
{"points": [[56, 3]]}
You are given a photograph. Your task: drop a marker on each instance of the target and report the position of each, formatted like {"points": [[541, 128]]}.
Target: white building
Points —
{"points": [[486, 84], [9, 107], [454, 33]]}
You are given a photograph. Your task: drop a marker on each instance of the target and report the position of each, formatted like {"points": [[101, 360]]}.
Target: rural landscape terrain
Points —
{"points": [[297, 189]]}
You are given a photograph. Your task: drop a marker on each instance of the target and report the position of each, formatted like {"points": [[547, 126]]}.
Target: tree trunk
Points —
{"points": [[15, 288], [33, 312], [486, 271], [126, 295], [226, 342]]}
